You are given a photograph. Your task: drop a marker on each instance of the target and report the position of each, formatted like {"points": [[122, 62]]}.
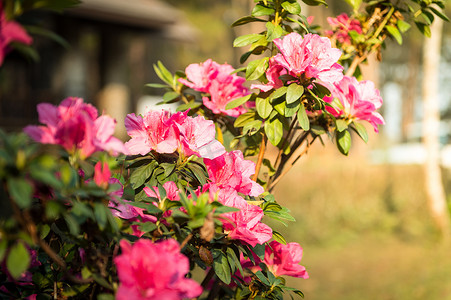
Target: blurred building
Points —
{"points": [[113, 45]]}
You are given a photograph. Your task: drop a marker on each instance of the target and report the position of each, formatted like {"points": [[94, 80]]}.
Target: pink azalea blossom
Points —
{"points": [[309, 57], [197, 136], [273, 73], [76, 126], [199, 75], [245, 224], [172, 191], [357, 101], [10, 31], [217, 81], [284, 259], [341, 26], [166, 133], [150, 132], [232, 170], [102, 174], [150, 270], [223, 89]]}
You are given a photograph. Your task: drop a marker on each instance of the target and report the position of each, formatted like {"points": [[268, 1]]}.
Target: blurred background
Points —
{"points": [[364, 221]]}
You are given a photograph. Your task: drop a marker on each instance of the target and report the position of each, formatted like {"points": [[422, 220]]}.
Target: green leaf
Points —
{"points": [[361, 131], [278, 237], [294, 92], [252, 127], [140, 175], [262, 278], [395, 33], [20, 191], [264, 107], [279, 105], [403, 26], [245, 20], [341, 125], [303, 119], [260, 10], [293, 8], [169, 96], [18, 260], [274, 131], [105, 297], [292, 108], [256, 68], [3, 248], [439, 14], [315, 2], [147, 226], [243, 119], [344, 141], [56, 5], [37, 30], [278, 93], [238, 101], [355, 4], [27, 51], [273, 32], [100, 214], [233, 260], [222, 268], [163, 73], [424, 29], [189, 105], [247, 39], [157, 85]]}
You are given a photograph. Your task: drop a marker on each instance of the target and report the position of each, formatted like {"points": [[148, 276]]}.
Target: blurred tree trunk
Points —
{"points": [[430, 87]]}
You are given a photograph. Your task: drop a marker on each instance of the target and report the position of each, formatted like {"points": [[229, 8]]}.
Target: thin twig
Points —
{"points": [[186, 240], [261, 155]]}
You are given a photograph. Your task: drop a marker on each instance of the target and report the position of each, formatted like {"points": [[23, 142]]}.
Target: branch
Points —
{"points": [[261, 155]]}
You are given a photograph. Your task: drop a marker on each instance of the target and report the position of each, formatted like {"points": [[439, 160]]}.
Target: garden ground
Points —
{"points": [[365, 230]]}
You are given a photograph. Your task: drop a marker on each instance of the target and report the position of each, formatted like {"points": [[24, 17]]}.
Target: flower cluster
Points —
{"points": [[154, 271], [10, 31], [218, 81], [76, 126], [244, 225], [306, 58], [356, 101], [341, 26], [164, 132]]}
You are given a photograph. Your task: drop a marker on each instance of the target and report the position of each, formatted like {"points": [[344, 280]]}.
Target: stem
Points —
{"points": [[359, 59], [284, 159], [186, 240], [291, 165], [261, 155], [27, 222]]}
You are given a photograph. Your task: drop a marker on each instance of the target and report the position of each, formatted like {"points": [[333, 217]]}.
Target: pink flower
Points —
{"points": [[150, 132], [172, 191], [341, 26], [75, 126], [166, 133], [223, 89], [102, 174], [245, 224], [309, 57], [272, 74], [199, 75], [10, 31], [232, 170], [197, 136], [357, 100], [150, 270], [284, 259], [217, 81]]}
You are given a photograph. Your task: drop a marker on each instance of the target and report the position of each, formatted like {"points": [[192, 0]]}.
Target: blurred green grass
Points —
{"points": [[365, 230]]}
